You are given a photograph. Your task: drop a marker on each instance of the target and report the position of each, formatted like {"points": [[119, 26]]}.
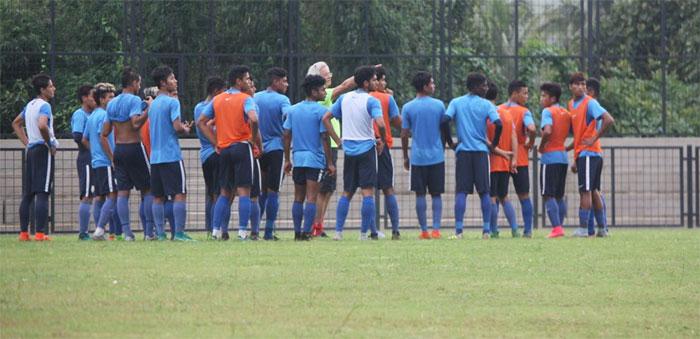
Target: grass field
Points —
{"points": [[638, 283]]}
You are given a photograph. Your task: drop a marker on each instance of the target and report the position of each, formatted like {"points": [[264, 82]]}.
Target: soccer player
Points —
{"points": [[357, 110], [503, 162], [256, 188], [168, 176], [525, 130], [555, 125], [588, 155], [385, 165], [422, 118], [207, 152], [41, 148], [127, 113], [470, 113], [305, 132], [593, 90], [272, 105], [236, 125], [82, 163]]}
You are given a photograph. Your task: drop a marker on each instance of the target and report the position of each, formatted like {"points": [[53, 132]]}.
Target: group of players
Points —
{"points": [[251, 140]]}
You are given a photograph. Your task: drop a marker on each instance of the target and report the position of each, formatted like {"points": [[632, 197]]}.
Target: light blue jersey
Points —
{"points": [[422, 116], [93, 129], [305, 121], [207, 149], [470, 113], [594, 111], [164, 141], [124, 106], [272, 108], [78, 120], [357, 116], [554, 157]]}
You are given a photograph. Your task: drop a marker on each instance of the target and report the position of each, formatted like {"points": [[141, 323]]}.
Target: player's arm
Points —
{"points": [[514, 157], [546, 134], [327, 151], [17, 126], [381, 141], [137, 120], [405, 133], [531, 135], [182, 127], [44, 131], [287, 137], [329, 128], [607, 122], [104, 139], [253, 121], [394, 115], [347, 85], [493, 143], [205, 124], [85, 142]]}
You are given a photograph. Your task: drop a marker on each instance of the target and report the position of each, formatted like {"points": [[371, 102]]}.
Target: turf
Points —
{"points": [[638, 283]]}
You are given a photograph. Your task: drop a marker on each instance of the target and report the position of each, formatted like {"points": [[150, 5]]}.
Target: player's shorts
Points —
{"points": [[385, 170], [499, 184], [271, 164], [210, 169], [328, 182], [82, 164], [553, 180], [104, 180], [360, 170], [39, 168], [301, 175], [521, 180], [257, 185], [472, 170], [131, 167], [168, 179], [589, 172], [236, 166], [428, 177]]}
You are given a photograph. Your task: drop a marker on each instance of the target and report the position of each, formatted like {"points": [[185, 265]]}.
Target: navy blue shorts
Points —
{"points": [[430, 178], [38, 176], [472, 170], [301, 175], [499, 184], [168, 179], [385, 170], [131, 167], [553, 179], [104, 181], [360, 171], [271, 167], [589, 172], [521, 180], [328, 182], [257, 184], [236, 166], [82, 164], [210, 169]]}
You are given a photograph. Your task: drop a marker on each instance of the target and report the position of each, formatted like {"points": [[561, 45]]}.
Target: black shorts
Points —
{"points": [[257, 187], [131, 167], [38, 176], [499, 184], [360, 171], [210, 169], [472, 170], [104, 180], [236, 166], [589, 172], [553, 180], [301, 175], [271, 166], [168, 179], [431, 177], [82, 164], [328, 182], [521, 180], [385, 170]]}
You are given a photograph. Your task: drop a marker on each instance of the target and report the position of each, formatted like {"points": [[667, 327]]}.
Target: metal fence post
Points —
{"points": [[682, 187], [689, 160], [534, 191], [612, 184], [517, 42]]}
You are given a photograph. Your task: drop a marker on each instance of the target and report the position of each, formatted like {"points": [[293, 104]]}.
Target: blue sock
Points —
{"points": [[509, 211], [106, 213], [262, 201], [255, 217], [84, 216], [97, 210], [149, 223], [367, 213], [591, 223], [583, 216], [392, 207], [527, 211], [460, 207], [219, 216], [552, 208], [494, 218], [271, 208], [207, 213], [437, 211], [605, 210], [600, 219], [562, 210], [243, 212], [41, 211], [421, 212], [169, 216], [115, 224], [180, 216], [297, 215], [486, 211], [142, 218], [341, 213], [159, 217], [123, 213], [309, 214]]}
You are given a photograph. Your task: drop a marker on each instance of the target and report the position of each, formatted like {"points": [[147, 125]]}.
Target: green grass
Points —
{"points": [[638, 283]]}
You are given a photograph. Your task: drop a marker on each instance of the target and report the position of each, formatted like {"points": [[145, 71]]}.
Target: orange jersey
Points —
{"points": [[561, 124], [499, 163], [146, 136], [583, 130], [385, 101], [231, 124], [518, 114]]}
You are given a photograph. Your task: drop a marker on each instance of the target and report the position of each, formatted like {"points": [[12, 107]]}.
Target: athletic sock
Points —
{"points": [[207, 213], [341, 213], [600, 218], [106, 213], [562, 210], [583, 215], [437, 211], [97, 210], [169, 216], [494, 217], [486, 211], [262, 201], [460, 207], [84, 216], [552, 211], [142, 218], [297, 215], [367, 213], [509, 211], [123, 213], [180, 215], [392, 208], [591, 223], [271, 207], [526, 209], [421, 212], [243, 212], [309, 214], [41, 211], [149, 223], [159, 217], [254, 216], [219, 215]]}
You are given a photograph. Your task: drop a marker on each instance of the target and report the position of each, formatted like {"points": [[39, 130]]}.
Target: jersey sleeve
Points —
{"points": [[492, 113], [374, 108], [288, 121], [135, 106], [406, 117], [527, 119], [595, 110], [86, 133], [208, 110], [393, 108], [451, 109], [336, 108], [250, 105], [45, 109], [285, 105], [77, 122], [546, 118], [174, 110], [321, 113]]}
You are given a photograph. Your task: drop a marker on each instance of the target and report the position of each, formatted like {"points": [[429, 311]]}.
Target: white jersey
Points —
{"points": [[357, 120], [31, 113]]}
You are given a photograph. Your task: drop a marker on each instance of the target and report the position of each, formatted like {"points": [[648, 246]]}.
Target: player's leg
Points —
{"points": [[273, 177], [328, 184], [313, 186], [584, 169], [436, 186], [480, 168], [597, 199], [244, 169], [494, 178], [367, 180], [84, 172], [299, 178], [550, 178], [175, 183], [418, 184], [385, 182], [42, 165], [255, 192], [464, 179], [350, 185], [521, 181]]}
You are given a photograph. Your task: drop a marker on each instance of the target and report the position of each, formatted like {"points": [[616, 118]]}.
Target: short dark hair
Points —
{"points": [[84, 91], [577, 77], [312, 82], [275, 73], [420, 80], [474, 80], [237, 72], [40, 81], [492, 92], [594, 84], [161, 73], [364, 73], [380, 71], [129, 75], [215, 84], [515, 86], [552, 89]]}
